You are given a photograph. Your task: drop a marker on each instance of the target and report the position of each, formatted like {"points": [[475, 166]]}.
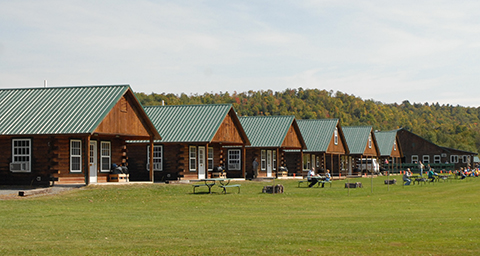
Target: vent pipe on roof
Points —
{"points": [[163, 103], [45, 83]]}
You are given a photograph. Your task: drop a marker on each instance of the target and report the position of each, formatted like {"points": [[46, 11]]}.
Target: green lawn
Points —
{"points": [[159, 219]]}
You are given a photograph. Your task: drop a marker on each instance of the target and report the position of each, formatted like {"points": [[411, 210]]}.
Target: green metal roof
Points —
{"points": [[56, 110], [188, 123], [317, 133], [357, 138], [267, 131], [385, 141]]}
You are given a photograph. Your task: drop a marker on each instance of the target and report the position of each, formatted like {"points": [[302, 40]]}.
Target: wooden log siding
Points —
{"points": [[291, 140], [123, 122], [228, 132], [371, 152]]}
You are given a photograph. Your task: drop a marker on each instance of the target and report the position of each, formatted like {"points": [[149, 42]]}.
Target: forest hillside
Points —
{"points": [[445, 125]]}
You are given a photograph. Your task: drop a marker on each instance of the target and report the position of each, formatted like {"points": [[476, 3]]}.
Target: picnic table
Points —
{"points": [[442, 177], [320, 180], [417, 178], [224, 183]]}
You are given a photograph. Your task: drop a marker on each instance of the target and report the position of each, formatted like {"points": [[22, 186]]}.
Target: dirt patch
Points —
{"points": [[14, 192]]}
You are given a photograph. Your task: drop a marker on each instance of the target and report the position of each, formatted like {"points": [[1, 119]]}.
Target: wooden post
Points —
{"points": [[206, 161], [301, 162], [151, 160], [244, 161], [86, 160]]}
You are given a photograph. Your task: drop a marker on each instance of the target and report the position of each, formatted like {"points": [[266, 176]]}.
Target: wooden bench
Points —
{"points": [[324, 181], [230, 186], [209, 185], [318, 183]]}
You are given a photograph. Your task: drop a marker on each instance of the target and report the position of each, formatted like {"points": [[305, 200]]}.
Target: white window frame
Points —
{"points": [[317, 158], [210, 159], [105, 155], [22, 155], [76, 154], [414, 159], [453, 159], [274, 160], [437, 159], [192, 158], [426, 159], [263, 160], [157, 158], [465, 159], [370, 141], [394, 146], [234, 159], [335, 136], [306, 162]]}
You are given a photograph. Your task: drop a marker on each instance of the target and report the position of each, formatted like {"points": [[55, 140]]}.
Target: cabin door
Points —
{"points": [[93, 162], [201, 162], [269, 163]]}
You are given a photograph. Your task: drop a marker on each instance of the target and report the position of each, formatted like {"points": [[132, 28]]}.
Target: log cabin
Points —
{"points": [[71, 134], [417, 149], [390, 150], [326, 148], [195, 140], [270, 136], [363, 148]]}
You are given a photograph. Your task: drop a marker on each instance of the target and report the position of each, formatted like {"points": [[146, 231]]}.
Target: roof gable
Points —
{"points": [[191, 123], [357, 138], [272, 131], [317, 133], [385, 141], [57, 110]]}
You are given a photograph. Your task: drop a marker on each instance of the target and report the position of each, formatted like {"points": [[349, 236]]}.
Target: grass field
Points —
{"points": [[159, 219]]}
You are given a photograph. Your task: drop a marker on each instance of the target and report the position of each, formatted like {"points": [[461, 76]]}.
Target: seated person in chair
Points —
{"points": [[328, 177], [406, 177], [311, 178], [431, 175]]}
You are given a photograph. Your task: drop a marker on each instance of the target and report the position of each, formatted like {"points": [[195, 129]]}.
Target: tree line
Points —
{"points": [[445, 125]]}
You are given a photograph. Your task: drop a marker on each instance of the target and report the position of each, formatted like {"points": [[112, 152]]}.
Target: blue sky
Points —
{"points": [[389, 51]]}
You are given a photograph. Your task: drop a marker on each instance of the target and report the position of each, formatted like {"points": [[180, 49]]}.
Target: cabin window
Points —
{"points": [[234, 159], [370, 141], [437, 159], [105, 156], [335, 136], [157, 158], [414, 159], [426, 159], [21, 155], [465, 159], [306, 162], [274, 160], [318, 162], [394, 146], [210, 159], [75, 156], [263, 157], [454, 159], [192, 155]]}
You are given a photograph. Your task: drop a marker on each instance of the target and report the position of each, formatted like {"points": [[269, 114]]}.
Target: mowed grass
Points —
{"points": [[162, 219]]}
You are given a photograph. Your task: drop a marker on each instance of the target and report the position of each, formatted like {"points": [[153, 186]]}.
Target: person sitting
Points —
{"points": [[461, 174], [406, 177], [328, 177], [432, 175], [311, 178]]}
